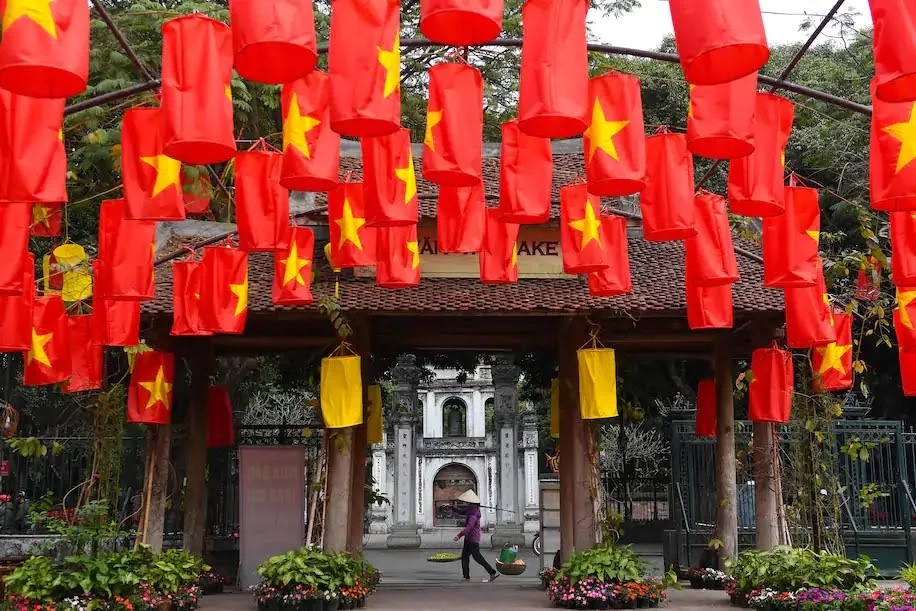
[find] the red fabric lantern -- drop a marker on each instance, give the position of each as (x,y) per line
(718,41)
(293,268)
(48,358)
(14,237)
(223,290)
(710,254)
(615,278)
(708,307)
(553,82)
(149,395)
(86,355)
(220,425)
(186,299)
(894,41)
(352,242)
(197,90)
(667,202)
(707,418)
(809,317)
(525,176)
(274,42)
(790,241)
(832,364)
(868,282)
(615,142)
(16,313)
(582,237)
(152,181)
(461,23)
(389,180)
(454,126)
(499,253)
(196,189)
(755,182)
(461,217)
(364,62)
(771,386)
(311,149)
(904,316)
(126,250)
(33,161)
(903,247)
(908,373)
(398,264)
(117,323)
(262,204)
(45,50)
(47,220)
(720,119)
(891,162)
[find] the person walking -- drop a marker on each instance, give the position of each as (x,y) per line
(471,534)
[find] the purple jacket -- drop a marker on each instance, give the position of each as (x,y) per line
(472,526)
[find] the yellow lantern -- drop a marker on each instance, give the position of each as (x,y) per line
(597,383)
(374,427)
(555,408)
(77,280)
(341,391)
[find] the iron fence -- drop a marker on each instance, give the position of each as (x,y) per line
(637,500)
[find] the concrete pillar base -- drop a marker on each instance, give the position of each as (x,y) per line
(503,535)
(403,538)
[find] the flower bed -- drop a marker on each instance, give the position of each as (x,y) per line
(212,583)
(709,579)
(831,599)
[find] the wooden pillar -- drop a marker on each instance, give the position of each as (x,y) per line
(157,478)
(339,488)
(766,501)
(362,345)
(200,362)
(726,472)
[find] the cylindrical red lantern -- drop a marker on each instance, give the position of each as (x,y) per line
(667,201)
(45,50)
(262,205)
(454,126)
(16,313)
(708,307)
(615,279)
(499,254)
(274,42)
(903,248)
(353,244)
(525,176)
(717,40)
(461,23)
(771,385)
(364,63)
(790,241)
(615,141)
(461,217)
(14,237)
(117,323)
(894,42)
(398,252)
(720,119)
(311,149)
(755,182)
(908,373)
(582,239)
(223,306)
(809,316)
(891,163)
(126,253)
(710,255)
(389,180)
(186,299)
(707,418)
(220,425)
(197,90)
(293,269)
(33,160)
(553,81)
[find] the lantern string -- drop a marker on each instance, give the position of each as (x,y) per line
(593,332)
(344,349)
(662,129)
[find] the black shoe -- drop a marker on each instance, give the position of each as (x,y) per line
(493,577)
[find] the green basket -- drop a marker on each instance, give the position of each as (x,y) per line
(508,554)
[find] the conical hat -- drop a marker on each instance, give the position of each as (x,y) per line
(469,497)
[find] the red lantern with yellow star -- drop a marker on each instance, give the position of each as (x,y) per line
(908,373)
(771,386)
(894,42)
(274,42)
(708,307)
(293,268)
(186,299)
(14,237)
(720,119)
(364,63)
(903,247)
(223,290)
(461,23)
(809,316)
(389,180)
(48,358)
(707,419)
(461,217)
(453,146)
(220,425)
(352,242)
(45,50)
(117,323)
(126,249)
(398,264)
(262,204)
(16,313)
(553,81)
(710,255)
(525,176)
(615,142)
(499,252)
(197,90)
(149,396)
(790,241)
(311,149)
(86,355)
(892,155)
(667,201)
(152,180)
(904,317)
(33,161)
(47,220)
(832,364)
(615,278)
(582,237)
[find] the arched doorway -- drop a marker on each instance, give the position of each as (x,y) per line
(450,482)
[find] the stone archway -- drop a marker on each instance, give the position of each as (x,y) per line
(449,483)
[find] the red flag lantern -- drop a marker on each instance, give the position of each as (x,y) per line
(790,241)
(152,180)
(582,237)
(126,249)
(708,307)
(908,373)
(454,126)
(891,159)
(615,278)
(33,161)
(220,426)
(364,63)
(262,204)
(755,183)
(16,313)
(389,180)
(86,355)
(667,201)
(196,189)
(186,299)
(499,252)
(274,42)
(149,396)
(197,90)
(461,23)
(720,119)
(525,176)
(904,315)
(47,219)
(809,317)
(311,149)
(894,41)
(903,247)
(868,282)
(710,254)
(223,303)
(771,386)
(461,217)
(352,242)
(45,50)
(398,264)
(615,142)
(553,82)
(832,364)
(717,41)
(707,418)
(48,358)
(293,268)
(14,237)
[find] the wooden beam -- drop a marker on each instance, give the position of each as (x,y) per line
(362,346)
(200,362)
(726,476)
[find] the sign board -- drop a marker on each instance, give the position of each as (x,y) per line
(272,505)
(4,468)
(550,520)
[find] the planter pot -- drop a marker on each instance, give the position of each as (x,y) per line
(346,604)
(696,583)
(262,606)
(738,599)
(332,605)
(361,603)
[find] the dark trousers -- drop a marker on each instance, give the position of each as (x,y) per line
(473,549)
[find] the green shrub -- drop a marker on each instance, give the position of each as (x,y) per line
(786,569)
(908,574)
(606,563)
(314,569)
